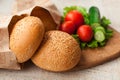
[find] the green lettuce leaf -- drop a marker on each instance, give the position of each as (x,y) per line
(92,44)
(105,22)
(102,43)
(108,34)
(76,37)
(83,45)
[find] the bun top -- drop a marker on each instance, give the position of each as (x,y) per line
(26,37)
(59,51)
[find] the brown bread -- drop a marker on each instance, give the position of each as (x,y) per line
(26,37)
(59,52)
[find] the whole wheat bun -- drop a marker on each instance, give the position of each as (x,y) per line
(26,37)
(58,52)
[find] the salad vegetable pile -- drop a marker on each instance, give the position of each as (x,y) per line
(87,27)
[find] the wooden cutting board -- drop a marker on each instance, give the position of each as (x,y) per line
(97,56)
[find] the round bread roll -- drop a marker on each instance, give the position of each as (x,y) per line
(26,37)
(58,52)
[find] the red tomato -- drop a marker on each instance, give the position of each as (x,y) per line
(75,17)
(68,26)
(85,33)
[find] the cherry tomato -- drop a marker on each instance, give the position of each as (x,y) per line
(75,17)
(68,26)
(85,33)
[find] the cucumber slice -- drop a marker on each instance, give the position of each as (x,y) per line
(94,25)
(100,28)
(99,36)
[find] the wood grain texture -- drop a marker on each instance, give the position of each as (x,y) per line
(93,57)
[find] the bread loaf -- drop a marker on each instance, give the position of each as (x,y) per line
(26,37)
(59,51)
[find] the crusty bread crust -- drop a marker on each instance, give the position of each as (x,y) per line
(26,37)
(59,52)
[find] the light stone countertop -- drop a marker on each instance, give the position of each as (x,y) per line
(107,71)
